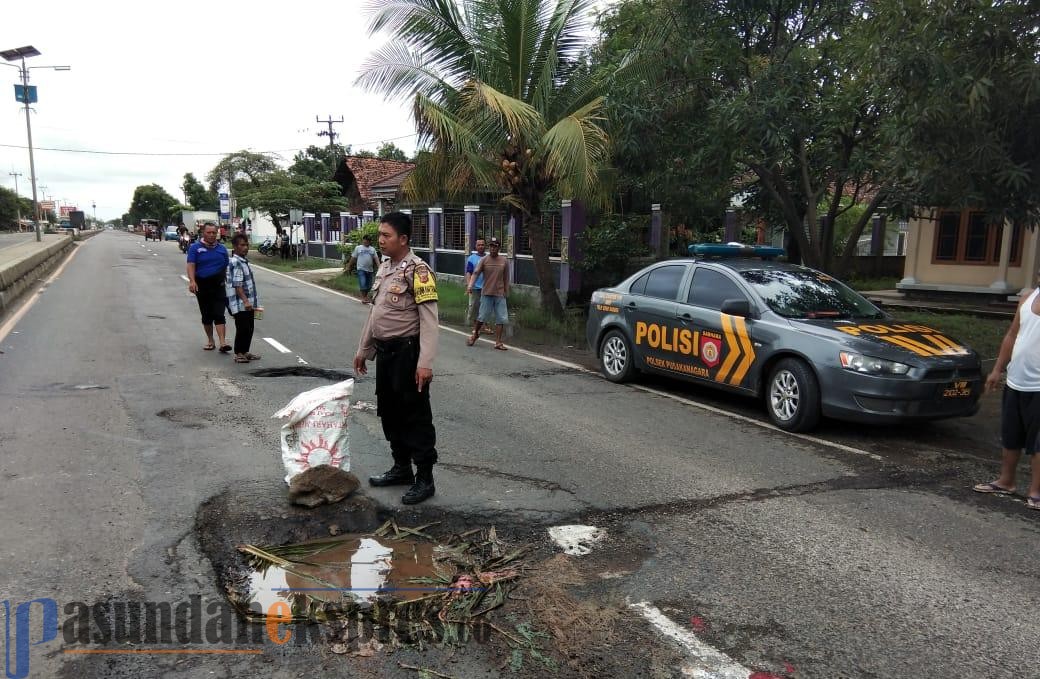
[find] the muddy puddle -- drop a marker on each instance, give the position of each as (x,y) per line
(351,570)
(390,576)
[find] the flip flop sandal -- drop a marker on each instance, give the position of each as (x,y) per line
(992,488)
(471,340)
(501,347)
(209,347)
(226,348)
(1033,502)
(241,359)
(252,357)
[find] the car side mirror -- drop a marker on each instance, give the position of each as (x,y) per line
(736,307)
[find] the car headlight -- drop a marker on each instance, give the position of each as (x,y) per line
(870,365)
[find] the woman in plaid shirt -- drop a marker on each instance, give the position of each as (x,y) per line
(242,299)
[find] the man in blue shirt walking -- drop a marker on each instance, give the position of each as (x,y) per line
(207,266)
(477,285)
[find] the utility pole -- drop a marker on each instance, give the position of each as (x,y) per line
(331,133)
(17,198)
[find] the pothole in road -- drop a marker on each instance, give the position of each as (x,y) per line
(192,419)
(302,371)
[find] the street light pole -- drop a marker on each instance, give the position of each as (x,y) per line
(20,54)
(32,162)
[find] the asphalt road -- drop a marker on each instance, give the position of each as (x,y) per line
(788,555)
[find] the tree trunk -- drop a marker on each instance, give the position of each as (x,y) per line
(532,225)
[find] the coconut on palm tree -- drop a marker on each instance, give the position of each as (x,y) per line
(503,101)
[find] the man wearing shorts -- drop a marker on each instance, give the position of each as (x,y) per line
(207,266)
(476,283)
(1020,411)
(495,269)
(364,258)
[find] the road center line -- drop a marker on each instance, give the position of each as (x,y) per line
(650,390)
(711,663)
(185,278)
(278,345)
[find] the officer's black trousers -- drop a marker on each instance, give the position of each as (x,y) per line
(403,410)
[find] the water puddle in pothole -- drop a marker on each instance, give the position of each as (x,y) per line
(394,575)
(351,570)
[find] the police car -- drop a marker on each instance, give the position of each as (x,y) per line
(733,318)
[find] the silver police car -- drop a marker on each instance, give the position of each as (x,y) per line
(804,342)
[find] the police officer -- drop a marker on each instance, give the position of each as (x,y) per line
(401,333)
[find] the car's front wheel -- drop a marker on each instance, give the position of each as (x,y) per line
(616,358)
(793,396)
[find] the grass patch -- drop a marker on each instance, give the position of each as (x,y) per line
(304,264)
(868,284)
(984,335)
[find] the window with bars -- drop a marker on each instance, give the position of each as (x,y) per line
(454,231)
(492,225)
(420,230)
(968,237)
(552,224)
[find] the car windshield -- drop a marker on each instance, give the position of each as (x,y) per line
(809,294)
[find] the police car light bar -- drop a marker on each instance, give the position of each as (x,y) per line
(734,250)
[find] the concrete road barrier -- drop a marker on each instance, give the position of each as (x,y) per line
(22,265)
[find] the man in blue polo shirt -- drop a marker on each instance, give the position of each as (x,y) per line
(477,285)
(207,266)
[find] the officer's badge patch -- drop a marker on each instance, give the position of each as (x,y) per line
(424,288)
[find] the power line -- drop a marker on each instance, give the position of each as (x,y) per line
(165,154)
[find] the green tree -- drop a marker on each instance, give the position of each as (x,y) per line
(151,201)
(962,82)
(389,151)
(12,205)
(241,170)
(318,162)
(279,191)
(197,195)
(502,101)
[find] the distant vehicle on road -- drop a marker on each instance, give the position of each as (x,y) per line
(801,340)
(170,233)
(151,228)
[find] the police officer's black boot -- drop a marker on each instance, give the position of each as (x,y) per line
(399,475)
(423,488)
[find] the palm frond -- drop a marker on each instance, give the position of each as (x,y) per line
(576,147)
(516,116)
(399,72)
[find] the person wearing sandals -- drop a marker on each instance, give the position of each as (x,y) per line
(207,266)
(242,300)
(1020,408)
(495,270)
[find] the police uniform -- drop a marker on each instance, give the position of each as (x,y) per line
(401,333)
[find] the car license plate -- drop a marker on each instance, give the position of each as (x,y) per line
(959,389)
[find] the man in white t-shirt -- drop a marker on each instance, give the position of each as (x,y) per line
(1020,409)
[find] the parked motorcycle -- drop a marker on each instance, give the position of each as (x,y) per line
(266,248)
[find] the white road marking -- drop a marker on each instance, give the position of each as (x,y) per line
(185,278)
(300,360)
(650,390)
(226,386)
(710,663)
(278,345)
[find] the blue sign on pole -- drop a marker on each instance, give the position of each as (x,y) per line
(225,206)
(20,94)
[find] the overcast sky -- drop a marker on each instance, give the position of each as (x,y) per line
(186,77)
(182,77)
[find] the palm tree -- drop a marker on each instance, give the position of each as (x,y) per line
(504,103)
